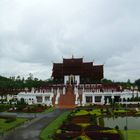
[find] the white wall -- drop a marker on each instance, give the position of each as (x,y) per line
(77,78)
(66,78)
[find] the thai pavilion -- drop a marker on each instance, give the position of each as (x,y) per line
(75,71)
(77,83)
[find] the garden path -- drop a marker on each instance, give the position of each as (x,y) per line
(31,130)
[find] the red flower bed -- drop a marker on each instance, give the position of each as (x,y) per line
(71,127)
(66,136)
(95,128)
(81,119)
(103,136)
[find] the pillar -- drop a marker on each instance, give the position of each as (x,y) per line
(102,100)
(112,97)
(83,99)
(64,91)
(43,99)
(93,99)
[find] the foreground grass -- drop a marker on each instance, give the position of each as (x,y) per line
(52,127)
(132,134)
(8,126)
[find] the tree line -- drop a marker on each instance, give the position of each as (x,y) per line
(19,82)
(126,84)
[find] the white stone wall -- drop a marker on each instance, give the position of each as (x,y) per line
(125,94)
(31,98)
(77,78)
(66,78)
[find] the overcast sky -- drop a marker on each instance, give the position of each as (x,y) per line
(36,33)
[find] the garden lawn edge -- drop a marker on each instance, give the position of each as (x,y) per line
(47,132)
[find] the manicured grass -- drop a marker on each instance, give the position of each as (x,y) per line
(7,126)
(81,112)
(44,112)
(93,112)
(84,138)
(53,126)
(120,111)
(83,124)
(132,134)
(138,113)
(112,131)
(96,111)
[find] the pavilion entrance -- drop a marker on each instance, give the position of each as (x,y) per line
(72,79)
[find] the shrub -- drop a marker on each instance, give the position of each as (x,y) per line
(9,120)
(125,127)
(71,127)
(101,110)
(79,138)
(117,127)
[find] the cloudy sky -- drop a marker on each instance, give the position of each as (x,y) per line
(36,33)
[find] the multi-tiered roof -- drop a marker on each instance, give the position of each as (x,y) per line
(87,71)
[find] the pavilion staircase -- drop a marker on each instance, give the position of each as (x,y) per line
(67,100)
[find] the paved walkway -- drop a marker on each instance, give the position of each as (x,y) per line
(23,115)
(31,130)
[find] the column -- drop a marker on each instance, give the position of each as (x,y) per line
(35,100)
(57,91)
(93,99)
(83,99)
(64,91)
(102,100)
(112,97)
(52,90)
(43,99)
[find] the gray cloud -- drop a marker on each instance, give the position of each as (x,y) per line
(34,33)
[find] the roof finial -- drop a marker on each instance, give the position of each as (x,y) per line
(72,56)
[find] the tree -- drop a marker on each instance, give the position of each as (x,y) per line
(18,78)
(137,82)
(30,77)
(106,81)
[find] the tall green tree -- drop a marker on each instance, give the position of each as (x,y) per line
(137,82)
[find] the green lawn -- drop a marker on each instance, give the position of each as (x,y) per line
(81,112)
(132,134)
(93,112)
(83,124)
(84,138)
(96,111)
(53,126)
(120,111)
(138,113)
(7,126)
(112,131)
